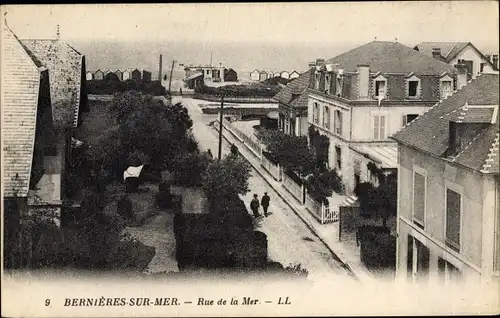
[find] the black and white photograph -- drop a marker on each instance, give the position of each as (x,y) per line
(250,159)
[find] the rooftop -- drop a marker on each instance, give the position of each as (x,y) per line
(65,74)
(430,131)
(21,82)
(390,57)
(294,94)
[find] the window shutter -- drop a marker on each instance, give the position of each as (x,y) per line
(375,127)
(405,120)
(382,127)
(340,123)
(453,219)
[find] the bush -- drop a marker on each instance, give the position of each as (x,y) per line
(323,183)
(247,90)
(124,208)
(188,169)
(137,158)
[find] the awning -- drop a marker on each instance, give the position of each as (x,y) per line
(385,156)
(193,76)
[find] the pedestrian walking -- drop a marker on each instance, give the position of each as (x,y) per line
(254,205)
(265,203)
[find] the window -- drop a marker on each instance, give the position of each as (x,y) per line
(208,72)
(412,88)
(453,208)
(417,260)
(338,156)
(409,118)
(338,122)
(316,80)
(327,84)
(419,197)
(326,117)
(447,272)
(378,127)
(446,89)
(316,113)
(380,88)
(338,86)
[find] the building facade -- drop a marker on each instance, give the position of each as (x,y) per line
(292,101)
(360,98)
(448,189)
(458,53)
(99,75)
(230,75)
(211,74)
(294,74)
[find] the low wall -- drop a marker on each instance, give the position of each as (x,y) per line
(240,100)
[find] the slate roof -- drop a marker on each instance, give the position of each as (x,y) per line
(65,74)
(448,49)
(298,85)
(20,87)
(473,114)
(430,131)
(390,57)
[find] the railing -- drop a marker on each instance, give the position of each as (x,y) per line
(273,169)
(237,99)
(320,211)
(296,190)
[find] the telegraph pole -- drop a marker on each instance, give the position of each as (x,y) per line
(220,126)
(170,81)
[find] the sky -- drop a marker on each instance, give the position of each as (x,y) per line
(287,23)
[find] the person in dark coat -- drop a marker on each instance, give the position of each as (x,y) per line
(265,203)
(254,205)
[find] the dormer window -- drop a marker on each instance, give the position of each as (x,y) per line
(338,84)
(380,86)
(316,80)
(327,84)
(445,87)
(413,87)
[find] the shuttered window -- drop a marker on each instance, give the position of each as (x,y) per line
(379,127)
(453,208)
(419,189)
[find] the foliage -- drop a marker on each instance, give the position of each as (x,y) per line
(234,150)
(243,90)
(381,201)
(323,182)
(320,145)
(124,208)
(188,168)
(273,81)
(230,175)
(297,270)
(291,152)
(137,158)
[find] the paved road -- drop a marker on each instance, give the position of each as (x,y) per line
(290,241)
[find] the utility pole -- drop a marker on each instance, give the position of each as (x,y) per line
(170,80)
(220,126)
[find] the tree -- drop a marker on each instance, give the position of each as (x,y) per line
(230,175)
(320,145)
(188,168)
(323,183)
(379,202)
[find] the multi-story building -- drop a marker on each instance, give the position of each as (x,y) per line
(448,188)
(292,101)
(458,53)
(360,98)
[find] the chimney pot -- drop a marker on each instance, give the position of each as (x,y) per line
(320,62)
(494,61)
(312,64)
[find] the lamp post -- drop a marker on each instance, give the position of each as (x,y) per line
(220,126)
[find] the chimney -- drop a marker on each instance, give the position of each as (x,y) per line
(312,64)
(494,61)
(461,75)
(363,81)
(436,53)
(320,62)
(160,68)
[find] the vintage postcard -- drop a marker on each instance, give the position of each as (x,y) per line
(250,159)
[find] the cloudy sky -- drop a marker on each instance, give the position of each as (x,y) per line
(409,22)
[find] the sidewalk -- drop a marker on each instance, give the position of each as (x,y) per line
(347,252)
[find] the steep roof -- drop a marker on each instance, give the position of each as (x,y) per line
(65,75)
(448,49)
(430,131)
(20,87)
(390,57)
(297,86)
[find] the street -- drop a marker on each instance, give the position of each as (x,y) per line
(290,241)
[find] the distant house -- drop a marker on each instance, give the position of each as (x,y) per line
(111,76)
(211,74)
(292,101)
(230,75)
(255,75)
(126,74)
(285,75)
(262,76)
(277,74)
(136,74)
(294,74)
(194,80)
(448,189)
(119,74)
(89,76)
(99,75)
(146,76)
(458,53)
